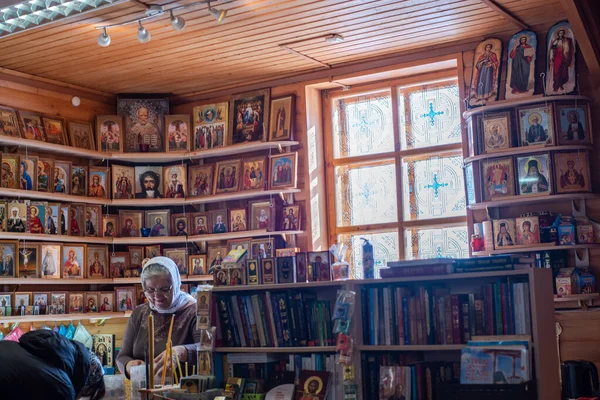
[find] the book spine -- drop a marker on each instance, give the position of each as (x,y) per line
(466,329)
(518,308)
(435,322)
(267,306)
(527,308)
(441,331)
(329,322)
(319,314)
(299,303)
(448,320)
(498,310)
(366,323)
(489,311)
(456,331)
(310,318)
(244,321)
(264,320)
(372,319)
(405,320)
(238,320)
(400,315)
(391,322)
(285,320)
(387,335)
(472,314)
(420,308)
(236,334)
(277,319)
(294,320)
(225,320)
(252,318)
(257,317)
(429,317)
(415,271)
(511,313)
(504,302)
(479,317)
(483,268)
(412,319)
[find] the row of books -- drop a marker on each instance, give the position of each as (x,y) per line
(445,266)
(426,315)
(275,319)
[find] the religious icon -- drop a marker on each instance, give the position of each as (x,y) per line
(73,260)
(534,174)
(107,300)
(65,219)
(18,217)
(180,258)
(33,128)
(528,230)
(109,133)
(211,126)
(97,262)
(262,248)
(110,225)
(561,74)
(201,180)
(312,386)
(130,223)
(29,260)
(125,298)
(286,269)
(122,182)
(520,79)
(301,264)
(239,244)
(3,215)
(45,168)
(498,178)
(486,72)
(9,122)
(93,214)
(197,265)
(255,173)
(76,305)
(268,271)
(282,118)
(136,256)
(153,251)
(79,176)
(215,257)
(9,260)
(572,172)
(227,177)
(77,219)
(148,182)
(320,265)
(22,300)
(55,131)
(237,220)
(27,173)
(174,178)
(10,179)
(505,233)
(119,265)
(573,123)
(536,125)
(40,302)
(58,303)
(50,261)
(91,302)
(249,113)
(496,131)
(37,217)
(81,135)
(262,215)
(144,124)
(218,221)
(98,183)
(103,347)
(53,218)
(179,224)
(283,171)
(158,222)
(62,177)
(178,133)
(290,218)
(200,223)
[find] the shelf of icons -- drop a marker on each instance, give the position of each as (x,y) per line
(533,248)
(92,317)
(515,151)
(513,201)
(502,104)
(91,281)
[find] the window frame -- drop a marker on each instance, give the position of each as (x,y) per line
(392,86)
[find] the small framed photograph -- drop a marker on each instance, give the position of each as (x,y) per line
(125,298)
(81,135)
(282,118)
(237,220)
(200,223)
(197,264)
(179,224)
(262,215)
(572,172)
(291,217)
(91,300)
(22,300)
(93,215)
(227,176)
(239,244)
(10,171)
(201,180)
(58,303)
(262,248)
(77,220)
(180,258)
(45,170)
(119,264)
(255,173)
(498,178)
(534,175)
(28,173)
(301,263)
(504,232)
(109,133)
(158,222)
(148,182)
(130,223)
(215,257)
(50,261)
(76,303)
(253,271)
(528,230)
(33,128)
(99,186)
(73,260)
(65,219)
(53,218)
(283,170)
(286,269)
(153,251)
(110,225)
(41,301)
(107,301)
(319,263)
(55,131)
(122,182)
(9,122)
(29,260)
(174,179)
(573,122)
(62,177)
(37,216)
(97,261)
(249,113)
(267,271)
(496,131)
(18,217)
(218,221)
(178,132)
(536,124)
(136,256)
(79,176)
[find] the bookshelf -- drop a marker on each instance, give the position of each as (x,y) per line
(533,248)
(275,350)
(86,281)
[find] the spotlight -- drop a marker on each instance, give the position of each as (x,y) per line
(103,39)
(218,14)
(178,23)
(143,34)
(335,38)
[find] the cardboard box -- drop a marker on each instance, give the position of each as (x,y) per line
(565,282)
(585,282)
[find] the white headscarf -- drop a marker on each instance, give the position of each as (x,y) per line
(180,299)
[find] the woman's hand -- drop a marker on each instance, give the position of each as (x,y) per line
(130,364)
(159,361)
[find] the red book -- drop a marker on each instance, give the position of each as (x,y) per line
(412,319)
(456,331)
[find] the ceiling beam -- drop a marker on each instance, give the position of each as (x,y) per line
(504,13)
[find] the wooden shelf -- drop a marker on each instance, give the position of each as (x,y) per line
(576,297)
(64,317)
(513,201)
(239,235)
(58,197)
(40,281)
(148,202)
(62,151)
(247,194)
(278,286)
(36,237)
(515,151)
(533,248)
(150,240)
(132,281)
(429,347)
(287,350)
(462,276)
(499,105)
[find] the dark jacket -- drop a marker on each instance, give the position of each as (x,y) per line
(43,365)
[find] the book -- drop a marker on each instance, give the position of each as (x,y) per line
(395,383)
(501,364)
(235,255)
(103,345)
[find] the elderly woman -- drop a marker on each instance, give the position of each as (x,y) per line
(161,283)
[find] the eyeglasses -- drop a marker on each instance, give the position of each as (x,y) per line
(162,290)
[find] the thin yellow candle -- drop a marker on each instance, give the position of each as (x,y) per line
(193,370)
(178,364)
(151,351)
(186,369)
(168,355)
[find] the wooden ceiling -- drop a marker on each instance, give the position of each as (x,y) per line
(244,49)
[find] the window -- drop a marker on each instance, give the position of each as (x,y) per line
(395,171)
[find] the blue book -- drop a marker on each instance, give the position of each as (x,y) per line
(277,319)
(248,328)
(372,318)
(413,383)
(476,366)
(406,321)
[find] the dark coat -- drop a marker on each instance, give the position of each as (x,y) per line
(42,365)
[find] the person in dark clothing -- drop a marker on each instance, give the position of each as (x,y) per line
(45,365)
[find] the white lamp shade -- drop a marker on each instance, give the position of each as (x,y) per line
(143,35)
(103,39)
(218,14)
(178,23)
